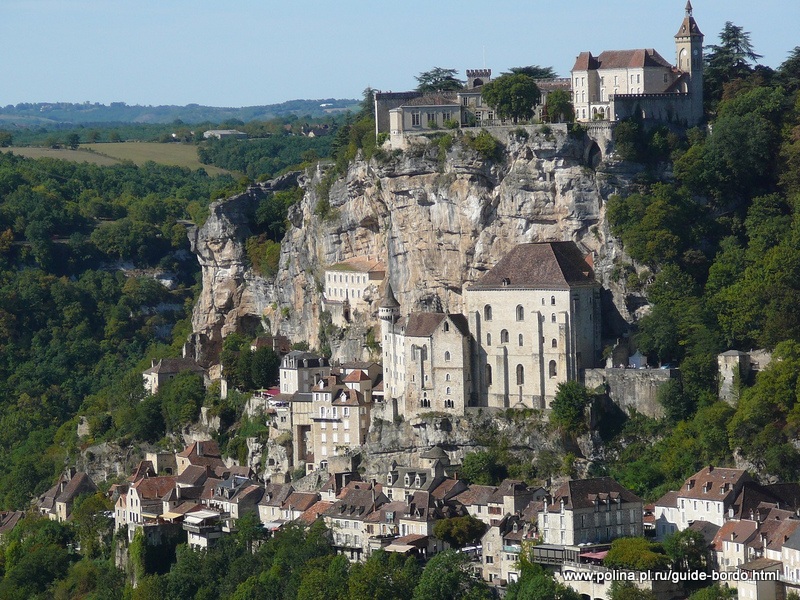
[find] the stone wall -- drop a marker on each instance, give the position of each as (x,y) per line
(632,388)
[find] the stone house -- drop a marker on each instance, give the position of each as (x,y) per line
(166,369)
(426,359)
(708,495)
(590,511)
(204,454)
(475,500)
(535,323)
(57,502)
(618,84)
(269,507)
(351,286)
(347,518)
(502,545)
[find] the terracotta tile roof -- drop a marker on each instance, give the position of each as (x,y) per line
(249,494)
(143,469)
(356,376)
(193,475)
(433,100)
(80,483)
(153,488)
(314,512)
(508,487)
(583,493)
(476,495)
(734,531)
(547,265)
(713,483)
(585,62)
(423,324)
(301,501)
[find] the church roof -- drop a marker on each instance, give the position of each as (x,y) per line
(689,26)
(547,265)
(388,300)
(423,324)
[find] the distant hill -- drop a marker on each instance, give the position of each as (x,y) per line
(52,113)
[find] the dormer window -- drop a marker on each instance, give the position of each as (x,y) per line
(506,282)
(407,481)
(389,479)
(417,481)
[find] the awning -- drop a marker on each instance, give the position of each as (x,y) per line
(401,548)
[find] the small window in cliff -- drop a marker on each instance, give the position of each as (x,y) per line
(487,313)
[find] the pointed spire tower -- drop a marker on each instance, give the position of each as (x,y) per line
(389,308)
(689,54)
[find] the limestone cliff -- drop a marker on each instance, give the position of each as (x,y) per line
(439,217)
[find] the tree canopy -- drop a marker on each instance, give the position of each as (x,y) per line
(438,79)
(513,96)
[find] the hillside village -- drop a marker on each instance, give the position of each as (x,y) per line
(532,321)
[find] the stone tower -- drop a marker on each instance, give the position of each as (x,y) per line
(689,60)
(389,313)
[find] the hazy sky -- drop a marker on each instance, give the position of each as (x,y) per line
(252,52)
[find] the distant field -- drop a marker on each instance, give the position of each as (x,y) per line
(181,155)
(63,154)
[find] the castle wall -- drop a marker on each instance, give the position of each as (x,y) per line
(632,388)
(681,109)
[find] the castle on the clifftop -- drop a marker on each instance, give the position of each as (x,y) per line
(613,86)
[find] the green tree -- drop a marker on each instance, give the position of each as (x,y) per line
(438,79)
(73,140)
(687,550)
(534,71)
(447,577)
(625,590)
(568,409)
(636,553)
(558,107)
(513,96)
(483,468)
(385,575)
(717,592)
(731,59)
(459,531)
(264,367)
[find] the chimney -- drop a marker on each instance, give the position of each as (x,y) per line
(710,468)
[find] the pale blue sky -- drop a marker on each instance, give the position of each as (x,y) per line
(252,52)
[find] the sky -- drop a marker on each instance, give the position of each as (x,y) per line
(255,52)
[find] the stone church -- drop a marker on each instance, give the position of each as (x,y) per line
(533,321)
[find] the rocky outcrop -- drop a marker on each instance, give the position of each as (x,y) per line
(438,217)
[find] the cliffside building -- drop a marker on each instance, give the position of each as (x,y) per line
(535,321)
(350,286)
(619,84)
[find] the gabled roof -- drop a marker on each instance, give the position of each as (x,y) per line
(620,59)
(508,487)
(668,500)
(584,493)
(734,531)
(713,483)
(170,366)
(433,100)
(356,376)
(143,469)
(80,483)
(544,265)
(314,512)
(423,324)
(193,475)
(275,494)
(301,501)
(476,495)
(153,488)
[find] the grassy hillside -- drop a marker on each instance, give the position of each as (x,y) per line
(176,155)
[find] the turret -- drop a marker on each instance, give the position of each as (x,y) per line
(389,308)
(689,60)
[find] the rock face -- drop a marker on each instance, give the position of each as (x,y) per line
(438,217)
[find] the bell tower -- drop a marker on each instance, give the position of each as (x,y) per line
(689,59)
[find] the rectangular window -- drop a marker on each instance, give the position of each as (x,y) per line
(415,120)
(447,115)
(431,118)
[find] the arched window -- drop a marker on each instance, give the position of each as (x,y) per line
(488,339)
(553,300)
(553,317)
(520,339)
(449,403)
(447,356)
(487,313)
(504,336)
(554,343)
(447,390)
(552,368)
(520,375)
(488,374)
(520,313)
(447,377)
